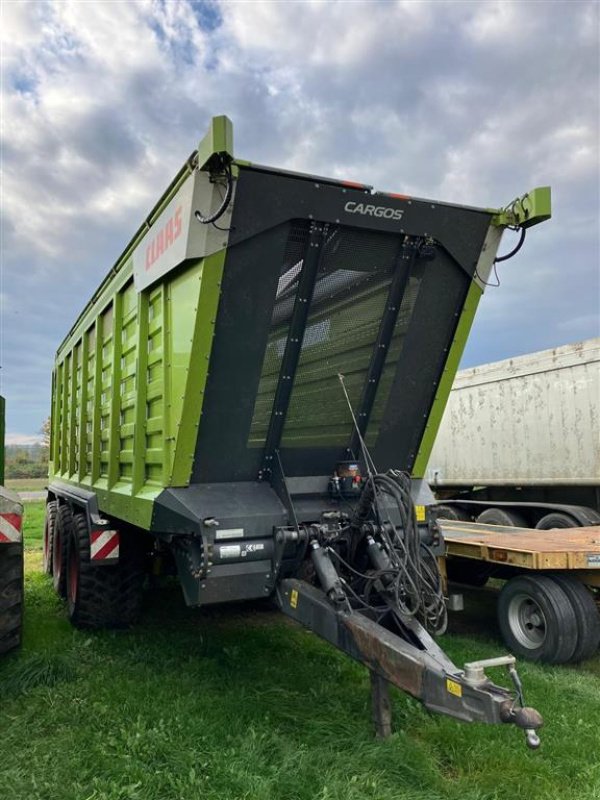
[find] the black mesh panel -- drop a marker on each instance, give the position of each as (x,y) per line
(348,303)
(280,321)
(387,376)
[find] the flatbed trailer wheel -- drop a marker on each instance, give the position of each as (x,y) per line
(586,613)
(102,596)
(556,519)
(11,596)
(500,516)
(49,526)
(537,619)
(60,540)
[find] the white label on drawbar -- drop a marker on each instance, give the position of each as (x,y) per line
(229,533)
(230,551)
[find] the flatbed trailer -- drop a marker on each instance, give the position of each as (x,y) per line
(535,620)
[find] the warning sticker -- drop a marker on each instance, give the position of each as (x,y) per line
(294,598)
(453,687)
(420,512)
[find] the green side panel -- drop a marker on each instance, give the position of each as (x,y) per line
(128,390)
(441,398)
(2,424)
(196,302)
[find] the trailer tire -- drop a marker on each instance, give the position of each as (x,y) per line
(537,620)
(49,526)
(586,613)
(102,596)
(11,596)
(499,516)
(60,543)
(556,520)
(448,512)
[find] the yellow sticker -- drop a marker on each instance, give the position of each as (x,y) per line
(453,687)
(420,512)
(294,598)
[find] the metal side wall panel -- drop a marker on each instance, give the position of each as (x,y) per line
(534,419)
(128,390)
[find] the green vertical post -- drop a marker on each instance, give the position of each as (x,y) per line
(114,433)
(96,433)
(195,383)
(2,428)
(55,434)
(141,396)
(445,385)
(83,401)
(168,432)
(64,463)
(76,355)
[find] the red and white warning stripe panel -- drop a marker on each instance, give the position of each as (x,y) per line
(104,546)
(10,527)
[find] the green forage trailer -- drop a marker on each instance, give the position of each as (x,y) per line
(250,398)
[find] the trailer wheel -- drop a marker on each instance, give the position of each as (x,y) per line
(537,619)
(556,520)
(49,526)
(11,596)
(498,516)
(60,541)
(448,512)
(586,613)
(102,596)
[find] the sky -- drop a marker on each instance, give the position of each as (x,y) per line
(468,102)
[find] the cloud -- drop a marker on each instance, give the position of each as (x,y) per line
(467,102)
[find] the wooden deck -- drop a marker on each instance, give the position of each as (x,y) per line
(560,549)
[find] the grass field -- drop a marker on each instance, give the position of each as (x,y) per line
(239,703)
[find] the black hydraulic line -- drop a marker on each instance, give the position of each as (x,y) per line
(293,345)
(402,268)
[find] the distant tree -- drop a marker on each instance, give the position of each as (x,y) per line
(45,431)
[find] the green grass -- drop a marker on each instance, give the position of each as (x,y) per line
(33,525)
(225,704)
(26,484)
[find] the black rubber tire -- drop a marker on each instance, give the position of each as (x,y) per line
(49,527)
(60,542)
(520,603)
(461,570)
(103,596)
(11,596)
(447,512)
(556,520)
(500,516)
(587,615)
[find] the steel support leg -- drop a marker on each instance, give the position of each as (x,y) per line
(381,706)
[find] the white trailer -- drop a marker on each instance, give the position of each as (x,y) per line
(520,439)
(519,449)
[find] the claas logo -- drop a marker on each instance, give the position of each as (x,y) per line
(165,237)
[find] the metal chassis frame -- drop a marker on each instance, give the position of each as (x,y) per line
(392,658)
